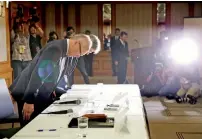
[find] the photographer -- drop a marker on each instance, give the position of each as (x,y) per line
(155,81)
(21,55)
(35,36)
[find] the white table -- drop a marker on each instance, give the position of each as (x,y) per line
(101,95)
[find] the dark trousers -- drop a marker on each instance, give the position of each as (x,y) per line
(114,67)
(122,71)
(18,66)
(81,67)
(89,64)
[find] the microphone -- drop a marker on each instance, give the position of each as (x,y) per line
(60,112)
(70,102)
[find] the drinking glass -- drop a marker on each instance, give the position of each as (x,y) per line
(82,125)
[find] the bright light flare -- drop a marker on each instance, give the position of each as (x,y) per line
(184,51)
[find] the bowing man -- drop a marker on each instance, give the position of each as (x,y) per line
(66,83)
(34,88)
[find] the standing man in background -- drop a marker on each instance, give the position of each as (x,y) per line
(80,65)
(89,59)
(122,56)
(35,39)
(113,46)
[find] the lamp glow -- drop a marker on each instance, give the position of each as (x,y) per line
(184,51)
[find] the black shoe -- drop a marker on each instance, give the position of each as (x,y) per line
(192,99)
(179,99)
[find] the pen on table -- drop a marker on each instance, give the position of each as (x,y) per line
(41,130)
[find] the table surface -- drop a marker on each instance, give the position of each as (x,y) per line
(93,97)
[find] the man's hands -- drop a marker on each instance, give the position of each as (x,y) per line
(28,109)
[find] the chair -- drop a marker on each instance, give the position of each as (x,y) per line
(11,119)
(7,108)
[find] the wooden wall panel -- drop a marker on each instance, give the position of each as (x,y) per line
(131,18)
(191,9)
(50,18)
(5,66)
(197,9)
(71,16)
(58,23)
(61,21)
(89,18)
(178,12)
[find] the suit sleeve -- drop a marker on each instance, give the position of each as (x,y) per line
(35,81)
(19,85)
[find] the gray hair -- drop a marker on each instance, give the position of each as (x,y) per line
(96,43)
(83,36)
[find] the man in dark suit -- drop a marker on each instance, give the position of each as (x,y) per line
(34,88)
(89,58)
(122,56)
(113,46)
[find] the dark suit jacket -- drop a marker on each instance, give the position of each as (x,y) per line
(121,51)
(25,85)
(113,44)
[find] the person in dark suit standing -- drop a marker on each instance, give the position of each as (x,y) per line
(89,59)
(113,46)
(122,56)
(80,64)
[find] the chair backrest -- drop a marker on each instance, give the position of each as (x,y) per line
(6,105)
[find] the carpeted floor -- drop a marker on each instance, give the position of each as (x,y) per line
(169,120)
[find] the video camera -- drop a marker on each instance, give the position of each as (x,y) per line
(19,15)
(34,18)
